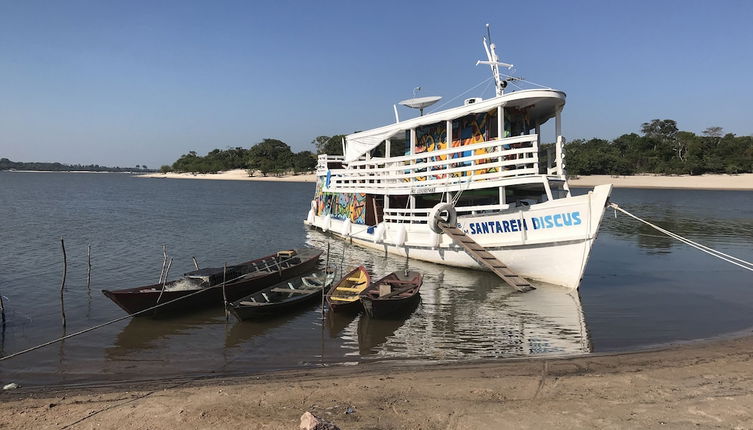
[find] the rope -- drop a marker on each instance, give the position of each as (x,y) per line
(60,339)
(434,109)
(747,265)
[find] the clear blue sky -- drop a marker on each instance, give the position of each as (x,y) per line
(142,82)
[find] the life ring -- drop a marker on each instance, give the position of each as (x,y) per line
(435,216)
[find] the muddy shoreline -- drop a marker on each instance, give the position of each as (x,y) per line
(700,383)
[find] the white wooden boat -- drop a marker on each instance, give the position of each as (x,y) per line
(388,189)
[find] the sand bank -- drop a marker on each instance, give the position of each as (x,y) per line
(233,175)
(700,385)
(701,182)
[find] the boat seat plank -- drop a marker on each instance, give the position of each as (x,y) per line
(344,299)
(350,290)
(292,291)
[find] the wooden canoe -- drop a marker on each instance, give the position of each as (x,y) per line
(283,297)
(392,296)
(344,297)
(203,288)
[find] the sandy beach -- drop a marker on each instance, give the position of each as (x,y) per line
(232,175)
(702,182)
(704,384)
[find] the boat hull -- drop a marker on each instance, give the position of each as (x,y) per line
(278,309)
(278,303)
(135,300)
(549,242)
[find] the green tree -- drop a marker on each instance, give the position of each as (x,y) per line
(270,156)
(304,161)
(331,145)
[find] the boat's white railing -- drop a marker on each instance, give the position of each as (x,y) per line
(426,172)
(421,216)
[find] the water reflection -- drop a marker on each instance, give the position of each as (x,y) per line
(462,314)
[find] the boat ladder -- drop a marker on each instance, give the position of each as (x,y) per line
(485,258)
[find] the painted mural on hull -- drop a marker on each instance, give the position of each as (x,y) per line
(340,206)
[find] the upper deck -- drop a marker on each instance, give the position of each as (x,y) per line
(490,141)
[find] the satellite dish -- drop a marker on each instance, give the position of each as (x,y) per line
(421,102)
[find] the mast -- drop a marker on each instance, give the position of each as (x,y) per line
(493,62)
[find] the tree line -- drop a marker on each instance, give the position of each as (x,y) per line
(268,157)
(6,164)
(661,148)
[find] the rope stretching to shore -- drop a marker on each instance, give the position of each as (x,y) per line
(747,265)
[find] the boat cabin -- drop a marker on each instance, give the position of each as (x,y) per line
(486,154)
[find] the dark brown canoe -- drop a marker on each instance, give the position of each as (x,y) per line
(283,297)
(203,288)
(343,297)
(392,296)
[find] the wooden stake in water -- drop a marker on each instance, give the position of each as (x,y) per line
(162,291)
(164,262)
(324,281)
(195,263)
(89,270)
(224,295)
(62,285)
(2,310)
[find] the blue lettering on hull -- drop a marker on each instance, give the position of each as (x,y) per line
(561,220)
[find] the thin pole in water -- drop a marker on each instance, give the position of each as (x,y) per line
(2,311)
(89,270)
(224,294)
(195,263)
(324,281)
(162,290)
(62,285)
(342,262)
(164,262)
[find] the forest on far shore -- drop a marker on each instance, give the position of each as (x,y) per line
(661,148)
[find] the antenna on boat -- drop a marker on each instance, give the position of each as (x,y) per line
(493,62)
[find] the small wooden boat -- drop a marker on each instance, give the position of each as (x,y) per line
(394,295)
(344,297)
(204,288)
(283,297)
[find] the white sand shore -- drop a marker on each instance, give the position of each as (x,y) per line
(232,175)
(703,182)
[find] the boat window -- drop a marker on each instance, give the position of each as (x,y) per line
(527,194)
(425,201)
(484,197)
(558,190)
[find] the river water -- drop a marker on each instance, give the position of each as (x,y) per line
(640,288)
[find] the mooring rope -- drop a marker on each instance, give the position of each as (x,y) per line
(747,265)
(80,332)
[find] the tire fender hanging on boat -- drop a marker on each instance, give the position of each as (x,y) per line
(435,216)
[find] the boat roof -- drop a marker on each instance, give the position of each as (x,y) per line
(542,104)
